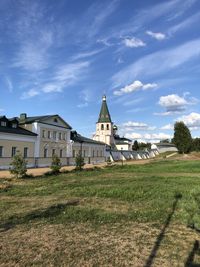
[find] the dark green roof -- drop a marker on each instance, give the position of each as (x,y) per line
(76,137)
(104,115)
(27,120)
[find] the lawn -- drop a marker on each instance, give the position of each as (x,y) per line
(131,215)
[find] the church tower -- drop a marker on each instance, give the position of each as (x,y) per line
(104,126)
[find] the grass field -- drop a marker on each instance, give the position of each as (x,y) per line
(131,215)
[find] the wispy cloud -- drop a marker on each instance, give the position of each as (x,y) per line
(9,84)
(156,35)
(87,54)
(64,76)
(165,59)
(184,24)
(29,94)
(135,86)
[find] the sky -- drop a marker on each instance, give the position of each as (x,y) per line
(61,57)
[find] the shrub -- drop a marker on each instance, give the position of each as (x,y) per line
(79,162)
(55,164)
(18,166)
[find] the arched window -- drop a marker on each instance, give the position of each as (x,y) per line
(107,126)
(102,127)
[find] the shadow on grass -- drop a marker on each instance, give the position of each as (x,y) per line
(160,237)
(50,212)
(190,260)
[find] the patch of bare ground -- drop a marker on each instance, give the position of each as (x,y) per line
(83,245)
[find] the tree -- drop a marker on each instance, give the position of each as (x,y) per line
(135,145)
(55,164)
(182,137)
(79,162)
(18,166)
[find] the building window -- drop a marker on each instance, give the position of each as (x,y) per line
(60,136)
(26,152)
(1,151)
(55,120)
(49,134)
(3,123)
(14,125)
(45,153)
(107,126)
(102,127)
(97,153)
(54,135)
(74,153)
(93,153)
(64,136)
(53,152)
(43,134)
(13,153)
(100,153)
(61,153)
(84,153)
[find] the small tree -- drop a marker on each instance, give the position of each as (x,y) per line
(55,164)
(182,137)
(79,162)
(18,166)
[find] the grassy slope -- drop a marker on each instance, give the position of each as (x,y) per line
(128,206)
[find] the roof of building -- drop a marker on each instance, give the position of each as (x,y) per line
(121,140)
(27,120)
(104,115)
(76,137)
(12,127)
(164,144)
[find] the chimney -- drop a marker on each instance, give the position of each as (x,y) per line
(23,116)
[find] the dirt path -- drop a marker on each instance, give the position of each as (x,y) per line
(41,171)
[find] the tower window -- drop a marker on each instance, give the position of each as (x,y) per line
(107,126)
(102,127)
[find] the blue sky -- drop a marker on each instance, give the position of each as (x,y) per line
(60,57)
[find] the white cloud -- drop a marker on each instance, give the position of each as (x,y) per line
(166,60)
(192,120)
(135,86)
(175,104)
(154,137)
(167,127)
(133,42)
(130,125)
(156,35)
(172,102)
(29,94)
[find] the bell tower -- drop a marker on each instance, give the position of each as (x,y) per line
(104,126)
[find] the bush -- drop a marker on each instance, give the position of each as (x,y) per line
(55,164)
(79,162)
(18,166)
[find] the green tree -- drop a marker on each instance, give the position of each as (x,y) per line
(55,164)
(182,137)
(135,145)
(79,162)
(18,166)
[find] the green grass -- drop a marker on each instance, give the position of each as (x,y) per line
(114,196)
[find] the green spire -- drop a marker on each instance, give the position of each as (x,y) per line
(104,115)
